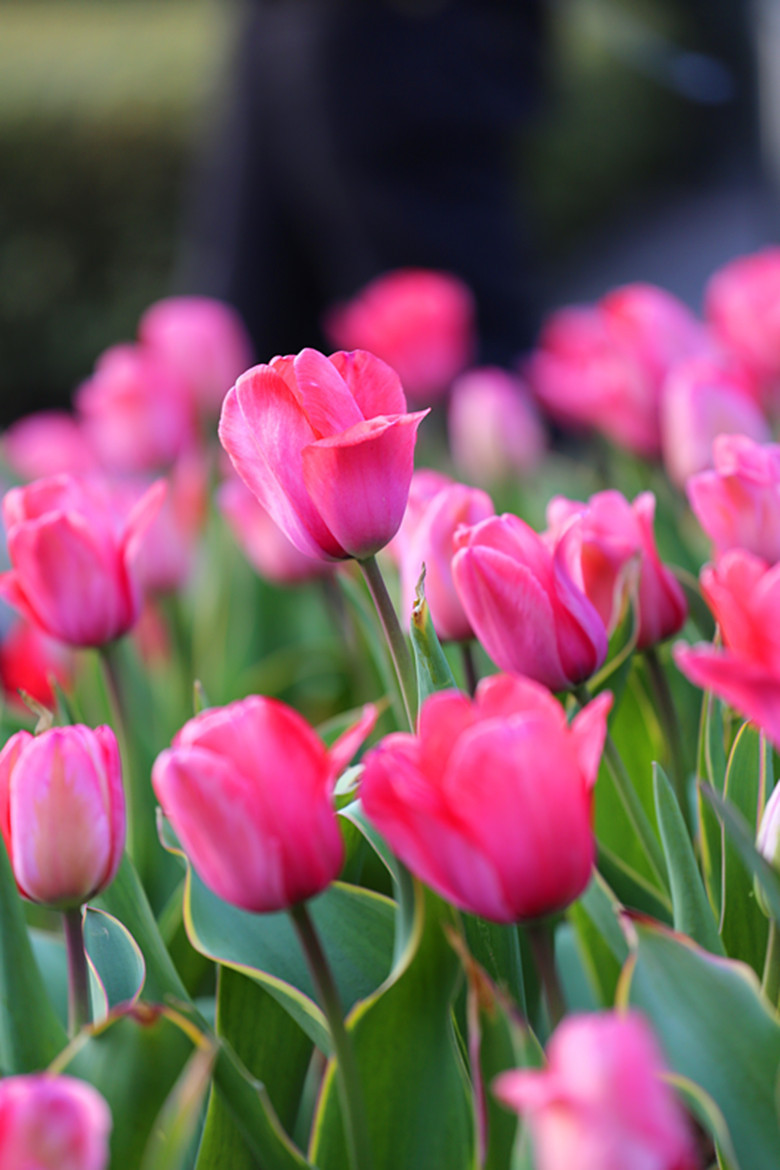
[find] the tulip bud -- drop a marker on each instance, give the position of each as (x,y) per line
(62,812)
(494,426)
(52,1123)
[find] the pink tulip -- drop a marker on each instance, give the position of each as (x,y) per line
(743,304)
(420,322)
(248,789)
(526,602)
(616,553)
(601,1103)
(52,1123)
(703,398)
(327,447)
(73,549)
(135,411)
(490,803)
(743,593)
(428,538)
(51,442)
(494,426)
(166,557)
(204,340)
(62,812)
(603,367)
(738,504)
(265,545)
(29,661)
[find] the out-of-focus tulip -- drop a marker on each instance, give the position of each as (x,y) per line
(428,536)
(30,660)
(495,430)
(524,603)
(420,322)
(166,556)
(204,340)
(704,398)
(73,552)
(51,442)
(743,593)
(135,411)
(616,549)
(601,1103)
(266,547)
(490,803)
(603,367)
(738,503)
(742,302)
(52,1123)
(327,447)
(248,789)
(62,812)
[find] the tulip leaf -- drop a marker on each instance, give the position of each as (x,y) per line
(631,888)
(742,839)
(356,927)
(433,669)
(31,1035)
(117,969)
(170,1143)
(414,1085)
(692,911)
(744,926)
(601,944)
(496,948)
(274,1050)
(716,1030)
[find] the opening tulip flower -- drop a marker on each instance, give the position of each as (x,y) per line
(490,803)
(52,1123)
(738,503)
(62,812)
(73,544)
(327,447)
(248,789)
(601,1102)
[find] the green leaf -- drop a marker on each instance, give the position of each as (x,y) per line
(712,764)
(601,944)
(692,912)
(116,965)
(716,1030)
(356,926)
(414,1084)
(497,949)
(744,928)
(631,888)
(741,837)
(31,1035)
(433,669)
(170,1144)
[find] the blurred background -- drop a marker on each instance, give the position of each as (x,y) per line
(648,149)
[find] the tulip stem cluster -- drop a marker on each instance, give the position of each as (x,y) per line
(350,1092)
(399,649)
(79,1012)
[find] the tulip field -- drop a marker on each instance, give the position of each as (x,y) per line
(389,743)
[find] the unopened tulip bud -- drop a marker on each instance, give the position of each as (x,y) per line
(52,1123)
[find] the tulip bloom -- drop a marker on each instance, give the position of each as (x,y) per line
(49,442)
(420,322)
(62,812)
(30,660)
(742,302)
(248,789)
(428,536)
(526,602)
(738,503)
(601,1103)
(494,426)
(743,593)
(52,1123)
(203,340)
(264,544)
(616,550)
(73,548)
(490,803)
(327,447)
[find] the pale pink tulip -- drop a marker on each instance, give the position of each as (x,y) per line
(601,1103)
(418,321)
(51,442)
(738,503)
(327,447)
(62,812)
(265,545)
(490,803)
(248,789)
(52,1123)
(742,302)
(495,430)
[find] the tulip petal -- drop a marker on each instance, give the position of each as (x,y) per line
(343,749)
(326,399)
(359,481)
(748,687)
(589,730)
(263,429)
(374,384)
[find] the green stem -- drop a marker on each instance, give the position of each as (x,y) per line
(633,806)
(350,1092)
(79,1012)
(110,671)
(541,936)
(770,983)
(671,724)
(470,673)
(399,649)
